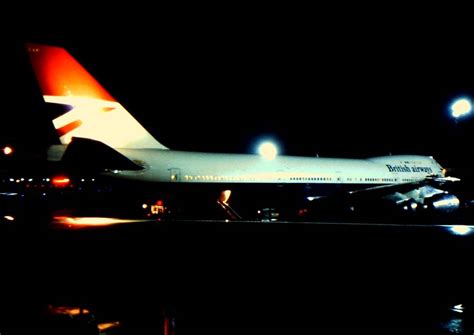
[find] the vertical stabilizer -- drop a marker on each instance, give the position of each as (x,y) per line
(88,110)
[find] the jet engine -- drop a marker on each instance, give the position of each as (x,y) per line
(444,202)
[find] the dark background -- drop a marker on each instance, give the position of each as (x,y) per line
(335,82)
(350,86)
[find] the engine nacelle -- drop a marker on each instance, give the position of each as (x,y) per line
(443,202)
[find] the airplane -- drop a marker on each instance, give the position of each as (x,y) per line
(95,130)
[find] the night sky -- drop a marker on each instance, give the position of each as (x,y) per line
(219,86)
(335,83)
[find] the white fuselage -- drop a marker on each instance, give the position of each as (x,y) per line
(196,167)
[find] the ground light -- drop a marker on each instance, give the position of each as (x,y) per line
(461,107)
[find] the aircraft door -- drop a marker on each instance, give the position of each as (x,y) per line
(175,174)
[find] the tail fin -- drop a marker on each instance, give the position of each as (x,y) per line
(89,111)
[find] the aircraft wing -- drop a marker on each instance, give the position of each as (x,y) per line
(382,190)
(411,196)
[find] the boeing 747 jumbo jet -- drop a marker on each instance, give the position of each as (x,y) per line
(96,130)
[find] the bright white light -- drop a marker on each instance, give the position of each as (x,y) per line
(461,230)
(268,150)
(7,150)
(461,107)
(458,308)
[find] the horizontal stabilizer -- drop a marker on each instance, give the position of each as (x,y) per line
(84,153)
